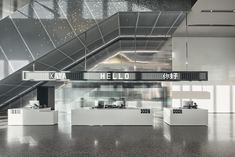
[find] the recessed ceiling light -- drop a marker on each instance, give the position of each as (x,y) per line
(218,11)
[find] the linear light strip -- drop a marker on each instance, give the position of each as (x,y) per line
(211,25)
(136,25)
(119,25)
(218,11)
(7,59)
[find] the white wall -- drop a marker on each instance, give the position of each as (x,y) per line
(215,55)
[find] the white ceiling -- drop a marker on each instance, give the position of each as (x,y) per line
(196,17)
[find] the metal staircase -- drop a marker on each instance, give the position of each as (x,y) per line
(61,43)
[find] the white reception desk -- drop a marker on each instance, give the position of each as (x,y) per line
(173,116)
(32,117)
(111,117)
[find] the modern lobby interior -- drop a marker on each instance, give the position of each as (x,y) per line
(141,38)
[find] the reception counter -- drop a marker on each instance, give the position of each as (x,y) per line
(32,117)
(111,117)
(173,116)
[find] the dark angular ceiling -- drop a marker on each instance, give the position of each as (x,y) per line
(97,44)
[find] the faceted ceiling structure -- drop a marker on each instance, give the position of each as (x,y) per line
(78,38)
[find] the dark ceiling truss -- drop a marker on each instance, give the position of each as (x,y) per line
(86,46)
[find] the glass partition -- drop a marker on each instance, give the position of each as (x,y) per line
(110,95)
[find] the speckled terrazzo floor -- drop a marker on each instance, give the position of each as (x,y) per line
(216,140)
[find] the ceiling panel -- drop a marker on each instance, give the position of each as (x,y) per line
(167,19)
(127,20)
(147,19)
(72,46)
(52,58)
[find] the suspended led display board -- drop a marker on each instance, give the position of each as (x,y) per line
(115,76)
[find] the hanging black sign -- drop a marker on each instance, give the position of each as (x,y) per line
(139,76)
(116,76)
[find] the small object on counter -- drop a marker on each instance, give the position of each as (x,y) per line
(122,106)
(190,105)
(194,105)
(100,104)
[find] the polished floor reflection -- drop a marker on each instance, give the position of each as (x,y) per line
(216,140)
